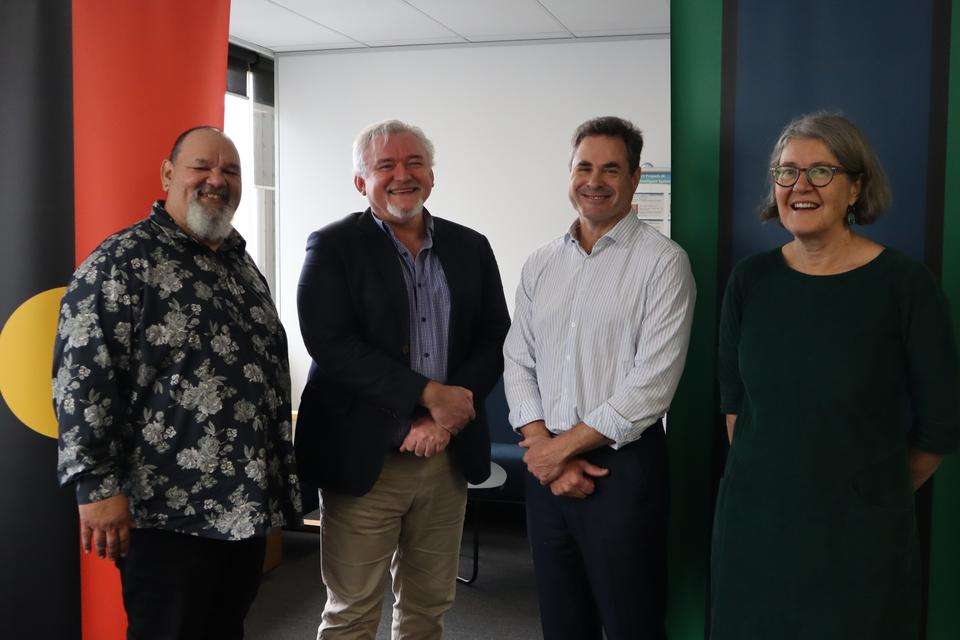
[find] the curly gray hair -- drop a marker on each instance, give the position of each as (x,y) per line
(385,128)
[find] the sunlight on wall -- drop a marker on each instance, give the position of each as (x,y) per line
(238,124)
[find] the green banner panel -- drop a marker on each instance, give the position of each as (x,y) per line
(696,38)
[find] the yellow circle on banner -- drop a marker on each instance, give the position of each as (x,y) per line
(26,356)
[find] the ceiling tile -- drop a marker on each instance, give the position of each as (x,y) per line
(268,25)
(611,17)
(494,19)
(308,46)
(374,22)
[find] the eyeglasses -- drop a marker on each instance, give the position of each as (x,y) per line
(819,175)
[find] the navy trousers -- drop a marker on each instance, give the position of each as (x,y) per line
(181,587)
(600,562)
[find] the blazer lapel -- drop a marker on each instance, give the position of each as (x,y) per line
(384,257)
(454,270)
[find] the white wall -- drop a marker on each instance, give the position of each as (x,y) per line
(500,117)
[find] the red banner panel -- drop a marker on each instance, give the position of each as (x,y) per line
(142,72)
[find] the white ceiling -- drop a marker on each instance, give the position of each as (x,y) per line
(313,25)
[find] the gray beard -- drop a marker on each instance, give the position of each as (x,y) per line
(400,214)
(208,225)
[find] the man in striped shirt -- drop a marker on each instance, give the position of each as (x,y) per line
(599,336)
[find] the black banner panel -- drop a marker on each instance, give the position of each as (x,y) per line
(39,547)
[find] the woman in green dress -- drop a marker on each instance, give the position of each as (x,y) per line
(839,381)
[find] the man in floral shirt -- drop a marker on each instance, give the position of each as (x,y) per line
(172,391)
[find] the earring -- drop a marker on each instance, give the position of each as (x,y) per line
(851,216)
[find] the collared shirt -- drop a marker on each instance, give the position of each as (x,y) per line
(428,301)
(600,337)
(172,385)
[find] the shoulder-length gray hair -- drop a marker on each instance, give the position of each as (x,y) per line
(385,128)
(852,151)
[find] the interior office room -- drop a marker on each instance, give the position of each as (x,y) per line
(95,91)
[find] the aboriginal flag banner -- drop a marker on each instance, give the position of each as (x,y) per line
(94,93)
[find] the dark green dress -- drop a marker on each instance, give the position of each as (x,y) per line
(832,379)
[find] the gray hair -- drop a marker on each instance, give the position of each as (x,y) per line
(386,128)
(853,152)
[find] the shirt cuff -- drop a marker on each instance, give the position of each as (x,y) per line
(97,488)
(606,421)
(730,403)
(936,437)
(525,413)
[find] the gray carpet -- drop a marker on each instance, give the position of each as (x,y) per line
(500,605)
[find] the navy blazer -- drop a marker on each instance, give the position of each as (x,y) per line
(354,319)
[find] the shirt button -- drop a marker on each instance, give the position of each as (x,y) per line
(573,324)
(426,355)
(423,319)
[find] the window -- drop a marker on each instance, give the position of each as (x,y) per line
(249,121)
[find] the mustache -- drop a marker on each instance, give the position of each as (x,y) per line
(207,190)
(405,185)
(596,192)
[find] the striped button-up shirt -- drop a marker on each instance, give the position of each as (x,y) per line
(600,337)
(428,301)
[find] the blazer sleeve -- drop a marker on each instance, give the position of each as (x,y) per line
(329,323)
(483,365)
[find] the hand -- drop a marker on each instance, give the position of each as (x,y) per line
(576,480)
(105,526)
(922,465)
(731,420)
(545,458)
(426,438)
(450,407)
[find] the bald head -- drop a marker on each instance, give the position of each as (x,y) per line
(178,143)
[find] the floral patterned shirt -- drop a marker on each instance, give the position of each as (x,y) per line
(172,385)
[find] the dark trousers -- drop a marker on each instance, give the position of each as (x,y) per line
(600,562)
(181,587)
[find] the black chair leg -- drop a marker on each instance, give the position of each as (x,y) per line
(475,516)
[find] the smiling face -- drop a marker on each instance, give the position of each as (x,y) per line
(808,211)
(203,185)
(397,177)
(601,185)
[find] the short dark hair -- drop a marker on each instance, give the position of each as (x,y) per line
(613,127)
(175,151)
(848,144)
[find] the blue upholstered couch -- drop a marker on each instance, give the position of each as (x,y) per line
(503,445)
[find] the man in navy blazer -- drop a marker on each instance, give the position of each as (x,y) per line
(404,317)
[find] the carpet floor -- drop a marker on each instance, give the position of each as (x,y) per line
(500,605)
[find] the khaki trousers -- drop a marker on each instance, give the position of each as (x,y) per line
(410,523)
